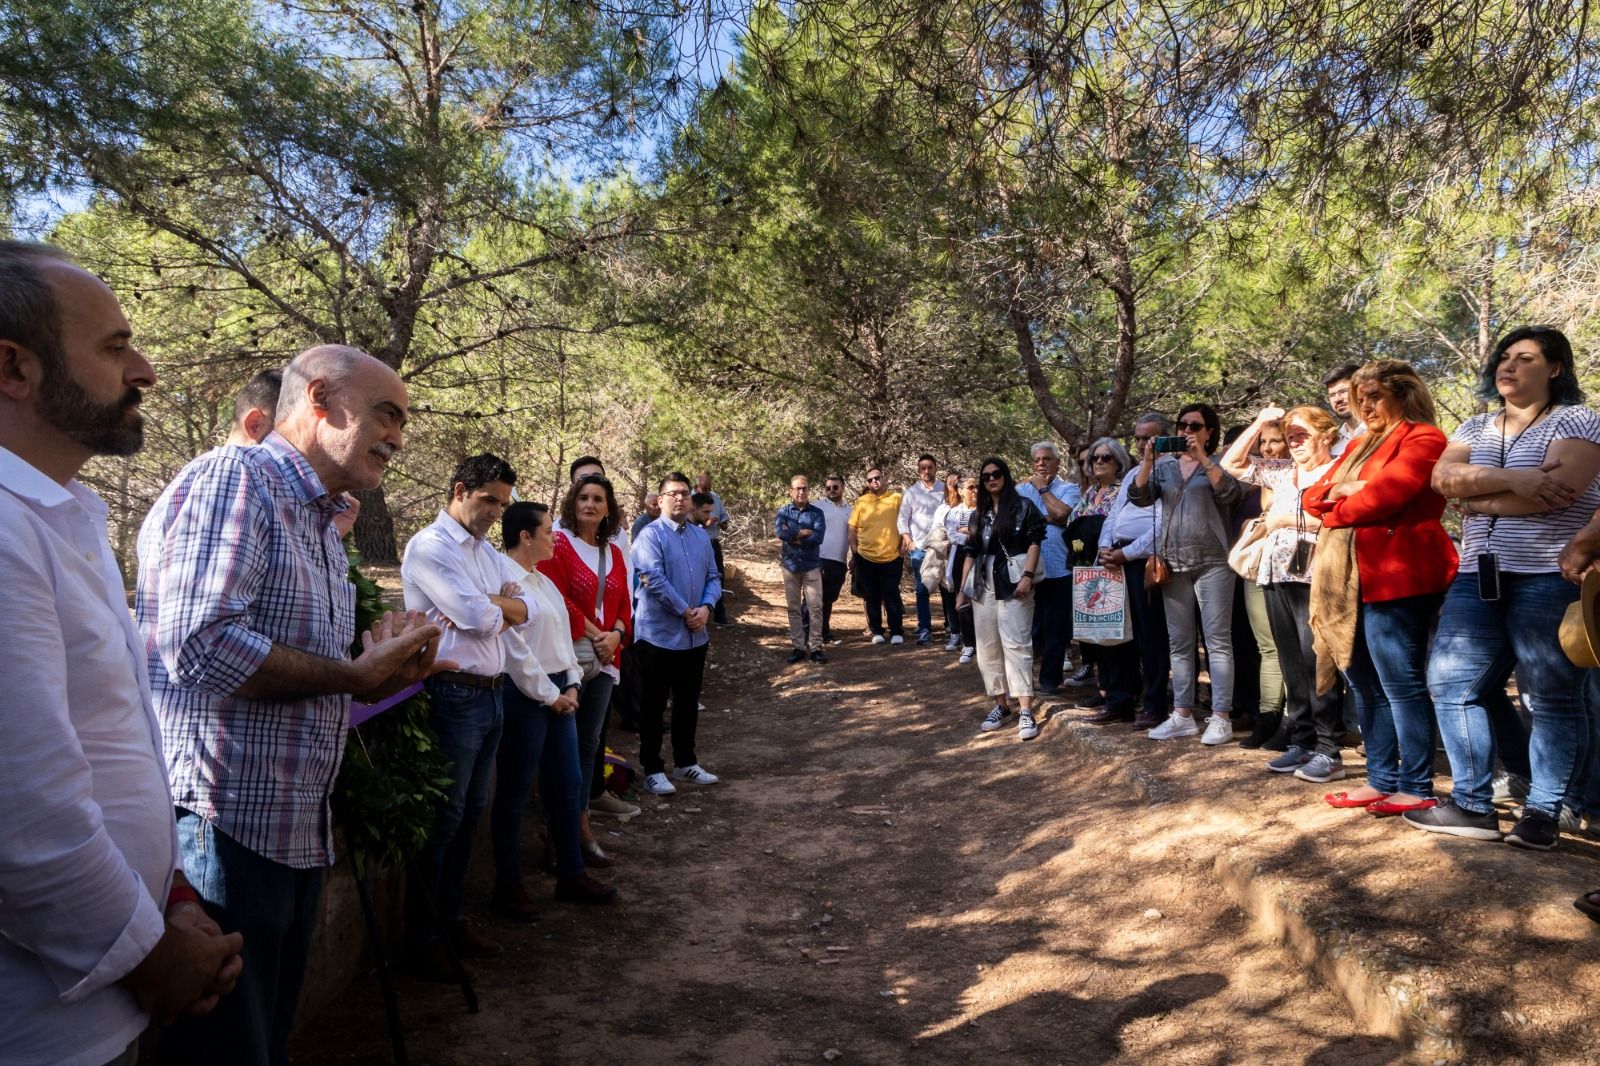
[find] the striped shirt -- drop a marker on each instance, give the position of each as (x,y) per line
(1526,544)
(238,554)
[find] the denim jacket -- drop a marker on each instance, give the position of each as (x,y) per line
(801,556)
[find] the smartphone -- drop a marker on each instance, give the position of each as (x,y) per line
(1169,445)
(1489,576)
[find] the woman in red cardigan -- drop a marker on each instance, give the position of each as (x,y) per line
(589,520)
(1383,562)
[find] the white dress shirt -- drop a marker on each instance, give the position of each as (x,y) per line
(836,535)
(917,505)
(89,843)
(451,574)
(543,646)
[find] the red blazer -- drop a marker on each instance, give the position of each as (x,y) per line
(1401,549)
(576,581)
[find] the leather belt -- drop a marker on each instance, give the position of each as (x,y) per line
(456,677)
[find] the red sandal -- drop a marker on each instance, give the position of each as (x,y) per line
(1386,808)
(1343,800)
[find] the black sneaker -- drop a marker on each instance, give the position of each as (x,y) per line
(1452,820)
(797,656)
(1534,830)
(818,657)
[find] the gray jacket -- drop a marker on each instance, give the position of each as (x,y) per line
(1194,515)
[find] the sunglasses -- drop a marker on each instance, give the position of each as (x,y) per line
(993,475)
(1102,458)
(1192,427)
(870,480)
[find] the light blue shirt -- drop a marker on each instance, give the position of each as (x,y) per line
(677,570)
(1053,552)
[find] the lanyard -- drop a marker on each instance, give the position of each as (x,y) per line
(1505,424)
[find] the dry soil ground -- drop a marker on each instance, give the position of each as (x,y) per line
(877,882)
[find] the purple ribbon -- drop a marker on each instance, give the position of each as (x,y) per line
(360,712)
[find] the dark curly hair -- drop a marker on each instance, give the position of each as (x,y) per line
(476,471)
(1553,344)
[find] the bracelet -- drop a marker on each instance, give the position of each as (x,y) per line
(1027,573)
(182,894)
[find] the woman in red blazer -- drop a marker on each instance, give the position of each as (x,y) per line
(590,519)
(1372,618)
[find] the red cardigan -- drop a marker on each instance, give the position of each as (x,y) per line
(1401,549)
(576,581)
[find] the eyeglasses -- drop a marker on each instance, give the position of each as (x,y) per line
(1192,427)
(1102,458)
(993,475)
(676,494)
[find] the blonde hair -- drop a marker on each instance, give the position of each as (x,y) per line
(1322,423)
(1399,379)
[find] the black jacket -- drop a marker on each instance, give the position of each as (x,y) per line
(1015,533)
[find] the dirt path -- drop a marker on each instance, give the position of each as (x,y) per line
(876,878)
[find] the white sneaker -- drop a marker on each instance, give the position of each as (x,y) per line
(953,643)
(897,639)
(877,638)
(1175,726)
(966,655)
(658,785)
(694,775)
(1027,728)
(997,714)
(1219,730)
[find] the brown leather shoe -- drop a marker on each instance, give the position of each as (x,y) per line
(471,944)
(1145,720)
(1108,717)
(513,903)
(431,963)
(584,889)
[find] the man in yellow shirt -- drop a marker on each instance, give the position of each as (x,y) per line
(875,556)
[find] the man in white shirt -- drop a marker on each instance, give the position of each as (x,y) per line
(1337,384)
(98,928)
(917,504)
(451,573)
(1127,539)
(835,548)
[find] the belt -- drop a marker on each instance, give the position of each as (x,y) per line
(456,677)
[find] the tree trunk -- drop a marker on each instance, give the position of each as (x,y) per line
(1127,337)
(1485,314)
(374,531)
(1022,328)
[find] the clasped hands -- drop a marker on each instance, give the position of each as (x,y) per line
(192,966)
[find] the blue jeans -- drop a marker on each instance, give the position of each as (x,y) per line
(468,721)
(275,907)
(1388,676)
(1478,646)
(593,703)
(924,599)
(536,740)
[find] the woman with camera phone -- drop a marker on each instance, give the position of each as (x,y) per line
(1526,477)
(1192,549)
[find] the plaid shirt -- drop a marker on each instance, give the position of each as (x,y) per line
(239,554)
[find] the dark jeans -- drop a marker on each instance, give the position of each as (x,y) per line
(1388,672)
(1586,797)
(947,604)
(275,907)
(594,702)
(924,596)
(833,575)
(625,694)
(1314,722)
(1150,634)
(1118,667)
(1477,647)
(663,673)
(1052,628)
(1247,695)
(880,585)
(468,722)
(536,740)
(719,613)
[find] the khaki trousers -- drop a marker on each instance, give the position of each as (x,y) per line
(804,588)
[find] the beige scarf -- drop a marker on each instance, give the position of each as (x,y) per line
(1336,579)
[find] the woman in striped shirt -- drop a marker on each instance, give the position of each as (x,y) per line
(1528,477)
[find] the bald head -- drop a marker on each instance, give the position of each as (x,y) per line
(345,412)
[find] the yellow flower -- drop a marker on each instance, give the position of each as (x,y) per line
(1077,545)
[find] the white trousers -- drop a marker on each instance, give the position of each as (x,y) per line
(1004,629)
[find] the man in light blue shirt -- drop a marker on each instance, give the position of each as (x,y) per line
(1052,594)
(679,582)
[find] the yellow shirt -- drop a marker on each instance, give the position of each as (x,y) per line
(876,522)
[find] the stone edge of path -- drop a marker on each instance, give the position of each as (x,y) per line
(1381,1003)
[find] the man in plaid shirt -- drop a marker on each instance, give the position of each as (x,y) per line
(248,619)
